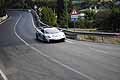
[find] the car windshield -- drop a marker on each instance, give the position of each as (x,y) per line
(51,30)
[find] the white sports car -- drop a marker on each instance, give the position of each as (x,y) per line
(50,34)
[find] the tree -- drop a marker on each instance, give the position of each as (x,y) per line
(52,17)
(108,20)
(48,16)
(60,8)
(70,6)
(62,19)
(2,8)
(63,9)
(45,3)
(29,3)
(114,19)
(90,15)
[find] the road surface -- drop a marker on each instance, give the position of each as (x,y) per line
(24,58)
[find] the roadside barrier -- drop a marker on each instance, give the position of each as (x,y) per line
(101,37)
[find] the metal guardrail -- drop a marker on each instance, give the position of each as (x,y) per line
(94,36)
(94,33)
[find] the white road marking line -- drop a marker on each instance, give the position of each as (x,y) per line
(97,50)
(68,41)
(3,22)
(16,32)
(94,49)
(49,57)
(3,75)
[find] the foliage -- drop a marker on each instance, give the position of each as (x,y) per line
(28,4)
(62,21)
(2,8)
(108,20)
(70,6)
(45,3)
(60,8)
(62,13)
(2,2)
(48,16)
(114,19)
(84,23)
(90,15)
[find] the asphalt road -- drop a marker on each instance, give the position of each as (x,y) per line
(24,58)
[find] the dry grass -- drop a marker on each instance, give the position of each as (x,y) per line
(99,39)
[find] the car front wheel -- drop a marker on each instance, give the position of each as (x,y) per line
(63,40)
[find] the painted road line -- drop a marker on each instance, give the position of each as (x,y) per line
(69,41)
(97,50)
(3,75)
(16,32)
(49,57)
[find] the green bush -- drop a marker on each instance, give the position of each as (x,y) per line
(108,20)
(48,16)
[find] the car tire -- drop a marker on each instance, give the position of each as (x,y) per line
(63,40)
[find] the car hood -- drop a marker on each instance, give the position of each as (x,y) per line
(55,34)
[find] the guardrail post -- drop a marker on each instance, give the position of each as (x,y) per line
(84,37)
(102,39)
